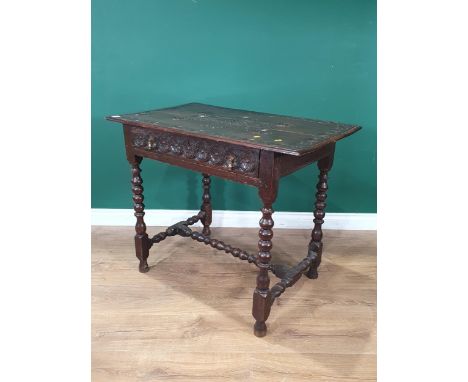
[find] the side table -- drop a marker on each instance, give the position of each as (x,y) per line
(244,146)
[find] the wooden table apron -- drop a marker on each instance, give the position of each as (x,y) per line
(244,163)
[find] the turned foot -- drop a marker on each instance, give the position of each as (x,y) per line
(143,267)
(312,273)
(260,329)
(315,254)
(206,231)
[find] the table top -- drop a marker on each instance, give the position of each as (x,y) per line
(279,133)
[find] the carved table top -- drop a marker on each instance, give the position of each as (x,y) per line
(269,132)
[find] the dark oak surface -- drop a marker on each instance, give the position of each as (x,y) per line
(269,132)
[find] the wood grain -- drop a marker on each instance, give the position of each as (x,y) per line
(268,132)
(188,319)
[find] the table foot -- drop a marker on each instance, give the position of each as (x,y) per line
(260,329)
(143,268)
(312,273)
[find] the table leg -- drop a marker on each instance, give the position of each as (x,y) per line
(141,238)
(316,244)
(262,296)
(206,205)
(268,190)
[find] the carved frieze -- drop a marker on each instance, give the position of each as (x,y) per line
(217,154)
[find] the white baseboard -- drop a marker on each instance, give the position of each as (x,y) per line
(247,219)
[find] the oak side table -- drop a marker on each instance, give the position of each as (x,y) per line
(244,146)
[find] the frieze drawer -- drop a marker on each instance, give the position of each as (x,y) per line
(216,154)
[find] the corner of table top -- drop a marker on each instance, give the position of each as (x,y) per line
(114,118)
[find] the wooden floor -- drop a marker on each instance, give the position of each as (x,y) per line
(189,318)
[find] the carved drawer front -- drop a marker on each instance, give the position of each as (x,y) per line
(217,154)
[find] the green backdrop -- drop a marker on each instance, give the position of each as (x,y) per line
(313,59)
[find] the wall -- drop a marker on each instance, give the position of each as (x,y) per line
(312,59)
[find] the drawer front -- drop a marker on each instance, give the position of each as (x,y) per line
(220,155)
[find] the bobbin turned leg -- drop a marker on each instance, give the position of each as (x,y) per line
(206,205)
(142,243)
(262,296)
(316,244)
